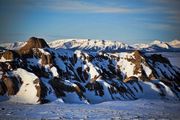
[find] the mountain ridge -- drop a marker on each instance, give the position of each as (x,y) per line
(86,77)
(105,45)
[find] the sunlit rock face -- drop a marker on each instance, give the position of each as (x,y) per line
(33,42)
(36,73)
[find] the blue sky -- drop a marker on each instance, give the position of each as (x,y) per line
(129,21)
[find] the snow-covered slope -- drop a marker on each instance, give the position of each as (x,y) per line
(28,91)
(76,76)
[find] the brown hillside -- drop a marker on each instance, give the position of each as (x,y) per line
(33,42)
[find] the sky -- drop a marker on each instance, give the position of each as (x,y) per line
(129,21)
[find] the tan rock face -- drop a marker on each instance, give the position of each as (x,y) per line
(46,59)
(33,42)
(9,55)
(137,60)
(41,91)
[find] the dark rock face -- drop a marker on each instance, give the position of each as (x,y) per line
(11,84)
(159,72)
(131,78)
(88,76)
(159,58)
(3,88)
(41,91)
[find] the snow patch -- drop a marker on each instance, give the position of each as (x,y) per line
(27,92)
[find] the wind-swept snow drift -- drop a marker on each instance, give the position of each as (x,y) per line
(36,73)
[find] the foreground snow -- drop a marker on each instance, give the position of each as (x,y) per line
(138,109)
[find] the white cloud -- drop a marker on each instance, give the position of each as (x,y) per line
(79,6)
(165,8)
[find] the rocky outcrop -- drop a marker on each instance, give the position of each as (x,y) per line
(11,84)
(46,59)
(138,59)
(41,91)
(33,42)
(9,55)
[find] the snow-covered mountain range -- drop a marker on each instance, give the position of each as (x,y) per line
(105,45)
(114,46)
(37,73)
(159,46)
(88,44)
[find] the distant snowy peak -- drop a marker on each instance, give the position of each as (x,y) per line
(175,43)
(90,44)
(157,42)
(161,44)
(140,46)
(158,45)
(107,45)
(12,46)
